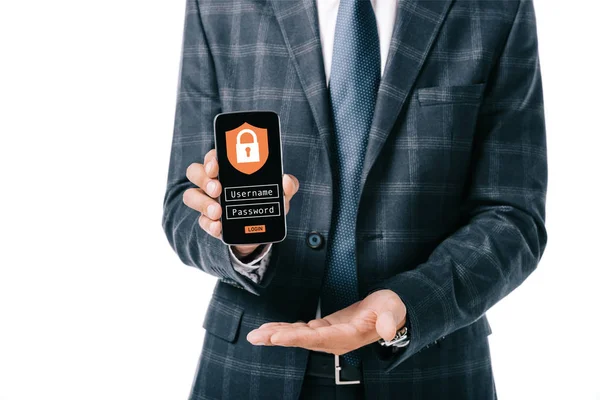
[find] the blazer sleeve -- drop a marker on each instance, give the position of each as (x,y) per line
(197,104)
(503,236)
(254,265)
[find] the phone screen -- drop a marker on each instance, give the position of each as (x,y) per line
(248,148)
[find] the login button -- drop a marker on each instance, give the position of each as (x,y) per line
(255,229)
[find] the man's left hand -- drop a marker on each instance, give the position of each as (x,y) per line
(379,315)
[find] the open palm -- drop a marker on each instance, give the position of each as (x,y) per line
(379,315)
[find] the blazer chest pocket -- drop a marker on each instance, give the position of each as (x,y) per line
(223,319)
(449,113)
(446,119)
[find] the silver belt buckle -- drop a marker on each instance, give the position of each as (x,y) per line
(338,370)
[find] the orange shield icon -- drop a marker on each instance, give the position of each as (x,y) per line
(247,148)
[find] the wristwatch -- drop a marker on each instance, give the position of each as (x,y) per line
(400,340)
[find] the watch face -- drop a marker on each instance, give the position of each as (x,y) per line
(400,340)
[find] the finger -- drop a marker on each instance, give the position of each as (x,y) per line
(199,201)
(338,339)
(273,324)
(282,324)
(211,166)
(259,337)
(272,327)
(197,175)
(296,181)
(286,205)
(342,336)
(290,185)
(316,340)
(212,154)
(262,335)
(299,337)
(211,227)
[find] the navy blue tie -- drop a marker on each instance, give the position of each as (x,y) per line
(353,84)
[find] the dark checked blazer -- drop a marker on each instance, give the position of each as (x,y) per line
(453,190)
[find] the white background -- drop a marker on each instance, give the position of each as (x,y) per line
(94,304)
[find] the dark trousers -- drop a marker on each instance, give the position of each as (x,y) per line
(319,380)
(315,387)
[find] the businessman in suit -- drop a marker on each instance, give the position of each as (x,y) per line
(414,149)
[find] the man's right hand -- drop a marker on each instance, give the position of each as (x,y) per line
(209,188)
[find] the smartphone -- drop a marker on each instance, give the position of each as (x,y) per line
(249,153)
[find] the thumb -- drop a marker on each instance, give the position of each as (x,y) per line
(390,319)
(290,185)
(386,325)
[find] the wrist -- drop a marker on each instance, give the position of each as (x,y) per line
(243,253)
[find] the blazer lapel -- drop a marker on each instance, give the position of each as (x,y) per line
(415,29)
(299,24)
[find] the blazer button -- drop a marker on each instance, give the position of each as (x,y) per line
(314,240)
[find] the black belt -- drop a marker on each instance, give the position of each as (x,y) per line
(325,365)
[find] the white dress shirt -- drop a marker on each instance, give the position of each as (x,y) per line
(385,13)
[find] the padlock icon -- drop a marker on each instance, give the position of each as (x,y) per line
(247,152)
(247,158)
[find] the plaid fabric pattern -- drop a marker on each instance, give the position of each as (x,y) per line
(453,189)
